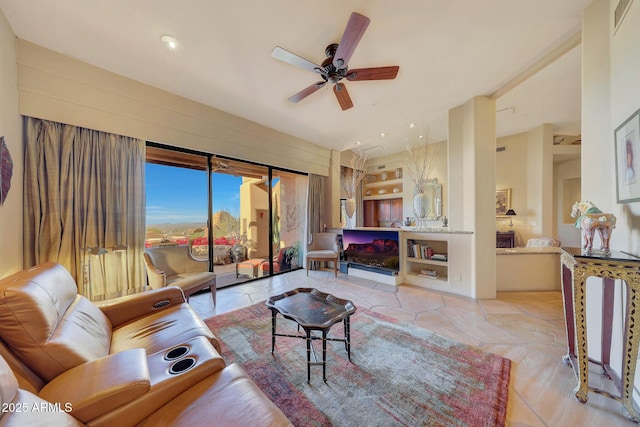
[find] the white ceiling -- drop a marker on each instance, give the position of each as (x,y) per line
(448,52)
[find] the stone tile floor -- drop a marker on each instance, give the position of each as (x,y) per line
(526,327)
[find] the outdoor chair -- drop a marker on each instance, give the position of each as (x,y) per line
(175,266)
(280,263)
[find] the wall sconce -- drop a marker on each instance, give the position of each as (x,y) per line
(511,213)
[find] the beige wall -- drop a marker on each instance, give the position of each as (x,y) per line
(567,191)
(510,173)
(610,94)
(11,129)
(526,166)
(56,87)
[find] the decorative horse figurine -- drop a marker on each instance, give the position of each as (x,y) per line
(590,219)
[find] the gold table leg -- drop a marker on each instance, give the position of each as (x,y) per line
(580,319)
(630,355)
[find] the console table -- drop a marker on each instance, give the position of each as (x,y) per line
(505,239)
(576,267)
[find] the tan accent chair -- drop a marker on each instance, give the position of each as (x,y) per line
(324,247)
(144,359)
(175,266)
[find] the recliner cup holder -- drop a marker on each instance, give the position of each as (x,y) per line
(182,365)
(176,352)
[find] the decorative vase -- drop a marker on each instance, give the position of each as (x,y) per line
(398,173)
(383,176)
(350,210)
(350,207)
(421,210)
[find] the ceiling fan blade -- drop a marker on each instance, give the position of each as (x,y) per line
(343,96)
(352,34)
(375,73)
(307,91)
(293,59)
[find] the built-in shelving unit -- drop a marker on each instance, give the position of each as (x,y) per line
(382,198)
(420,259)
(386,184)
(453,274)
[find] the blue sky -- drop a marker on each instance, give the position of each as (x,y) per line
(177,195)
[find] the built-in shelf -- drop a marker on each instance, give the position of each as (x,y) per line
(374,183)
(382,210)
(443,279)
(427,261)
(383,196)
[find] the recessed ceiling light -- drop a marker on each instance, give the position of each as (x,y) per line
(412,125)
(170,42)
(382,135)
(420,136)
(358,143)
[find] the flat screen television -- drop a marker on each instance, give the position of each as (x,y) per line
(372,248)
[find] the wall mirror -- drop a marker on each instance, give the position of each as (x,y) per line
(433,190)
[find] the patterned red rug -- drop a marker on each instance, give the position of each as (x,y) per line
(399,374)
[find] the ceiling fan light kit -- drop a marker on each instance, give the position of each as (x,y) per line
(336,66)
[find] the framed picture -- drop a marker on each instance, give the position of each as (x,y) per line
(627,140)
(503,201)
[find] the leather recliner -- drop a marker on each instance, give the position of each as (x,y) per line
(120,363)
(227,398)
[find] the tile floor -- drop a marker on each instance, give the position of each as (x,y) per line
(526,327)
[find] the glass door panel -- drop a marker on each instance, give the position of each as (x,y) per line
(240,220)
(177,206)
(288,208)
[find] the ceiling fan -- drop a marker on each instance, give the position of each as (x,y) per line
(335,67)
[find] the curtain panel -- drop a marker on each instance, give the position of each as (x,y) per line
(85,206)
(315,205)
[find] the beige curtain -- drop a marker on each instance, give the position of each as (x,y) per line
(85,206)
(315,205)
(359,207)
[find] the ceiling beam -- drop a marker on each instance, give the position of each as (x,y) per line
(558,52)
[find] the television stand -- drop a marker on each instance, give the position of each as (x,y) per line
(388,277)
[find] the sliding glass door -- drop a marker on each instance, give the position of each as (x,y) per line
(246,219)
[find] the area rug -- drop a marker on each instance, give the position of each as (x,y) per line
(399,374)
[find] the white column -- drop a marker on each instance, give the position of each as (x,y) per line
(472,185)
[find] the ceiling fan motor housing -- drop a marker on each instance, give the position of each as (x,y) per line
(329,72)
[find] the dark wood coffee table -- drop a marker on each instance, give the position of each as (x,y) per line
(312,310)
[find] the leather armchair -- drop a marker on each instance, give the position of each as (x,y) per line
(175,266)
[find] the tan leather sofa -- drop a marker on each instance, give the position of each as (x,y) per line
(144,359)
(175,266)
